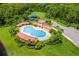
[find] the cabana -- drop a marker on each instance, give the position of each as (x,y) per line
(22,23)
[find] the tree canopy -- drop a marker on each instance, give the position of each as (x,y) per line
(68,13)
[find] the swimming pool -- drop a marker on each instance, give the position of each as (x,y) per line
(33,31)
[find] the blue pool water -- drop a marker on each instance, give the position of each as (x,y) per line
(34,32)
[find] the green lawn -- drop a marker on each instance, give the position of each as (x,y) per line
(67,48)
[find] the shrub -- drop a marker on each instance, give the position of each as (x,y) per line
(13,30)
(48,22)
(49,41)
(25,17)
(57,39)
(39,45)
(77,27)
(30,43)
(19,41)
(30,22)
(52,31)
(54,39)
(59,30)
(16,16)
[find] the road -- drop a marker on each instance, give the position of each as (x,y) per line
(71,33)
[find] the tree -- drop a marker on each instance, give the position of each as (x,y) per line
(54,39)
(52,31)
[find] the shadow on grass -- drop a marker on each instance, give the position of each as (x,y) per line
(2,50)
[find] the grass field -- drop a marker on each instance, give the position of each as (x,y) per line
(66,49)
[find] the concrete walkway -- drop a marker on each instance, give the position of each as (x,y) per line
(71,33)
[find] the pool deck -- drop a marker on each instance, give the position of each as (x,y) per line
(37,28)
(26,37)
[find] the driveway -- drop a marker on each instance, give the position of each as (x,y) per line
(71,33)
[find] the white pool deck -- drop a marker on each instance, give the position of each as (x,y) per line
(47,36)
